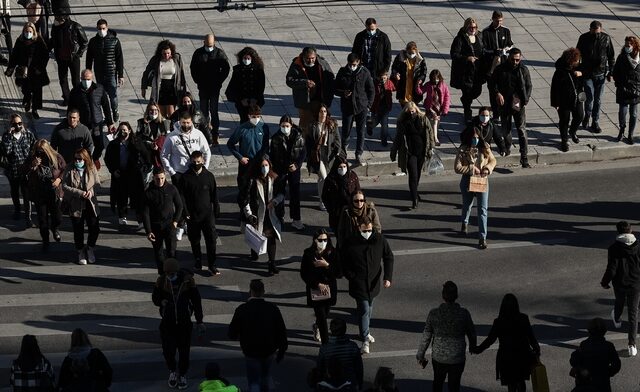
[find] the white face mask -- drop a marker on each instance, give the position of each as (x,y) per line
(342,171)
(353,67)
(86,84)
(208,48)
(153,116)
(246,61)
(28,35)
(321,245)
(285,130)
(310,65)
(628,49)
(264,170)
(365,234)
(412,55)
(373,32)
(484,119)
(103,33)
(254,121)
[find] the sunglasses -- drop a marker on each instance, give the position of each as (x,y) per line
(358,200)
(366,231)
(321,240)
(16,124)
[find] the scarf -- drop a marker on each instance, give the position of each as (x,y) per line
(634,61)
(358,213)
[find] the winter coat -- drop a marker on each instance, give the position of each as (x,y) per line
(465,74)
(285,150)
(40,179)
(400,148)
(67,140)
(85,369)
(33,54)
(360,83)
(427,90)
(383,99)
(486,131)
(216,386)
(419,74)
(176,156)
(247,82)
(565,87)
(341,350)
(597,54)
(361,264)
(200,122)
(252,140)
(75,186)
(623,263)
(104,56)
(320,153)
(209,69)
(200,195)
(494,41)
(627,80)
(510,81)
(346,226)
(297,81)
(183,299)
(382,53)
(600,358)
(34,379)
(151,77)
(16,150)
(162,206)
(254,202)
(467,157)
(259,326)
(77,36)
(337,190)
(93,104)
(313,276)
(517,350)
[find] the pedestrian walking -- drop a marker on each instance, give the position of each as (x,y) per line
(567,96)
(437,99)
(165,75)
(513,88)
(105,58)
(445,330)
(349,223)
(209,69)
(312,83)
(343,352)
(597,65)
(5,29)
(319,269)
(246,87)
(85,368)
(38,13)
(44,178)
(518,351)
(474,159)
(409,69)
(333,380)
(152,130)
(413,146)
(258,202)
(623,272)
(259,326)
(337,190)
(366,259)
(496,43)
(79,183)
(16,144)
(214,381)
(466,70)
(201,208)
(354,86)
(287,153)
(162,212)
(31,371)
(187,104)
(597,356)
(68,42)
(381,107)
(324,145)
(384,381)
(28,60)
(71,135)
(626,74)
(177,297)
(373,46)
(487,128)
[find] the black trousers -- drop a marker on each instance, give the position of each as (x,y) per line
(175,180)
(495,108)
(294,194)
(97,135)
(564,115)
(321,311)
(440,372)
(630,296)
(243,112)
(32,94)
(414,169)
(207,228)
(468,95)
(49,217)
(164,235)
(17,187)
(209,107)
(64,67)
(124,190)
(6,31)
(520,120)
(93,227)
(176,337)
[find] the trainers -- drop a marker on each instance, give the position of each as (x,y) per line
(365,347)
(214,271)
(179,233)
(82,257)
(91,257)
(616,323)
(316,333)
(297,224)
(595,127)
(122,221)
(370,339)
(182,383)
(173,380)
(361,161)
(321,206)
(633,351)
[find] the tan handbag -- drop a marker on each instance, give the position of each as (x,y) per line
(478,184)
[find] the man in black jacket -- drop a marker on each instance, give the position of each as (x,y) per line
(68,42)
(259,326)
(362,256)
(70,135)
(512,88)
(104,56)
(354,85)
(162,211)
(201,206)
(373,47)
(597,356)
(496,42)
(209,69)
(598,57)
(623,271)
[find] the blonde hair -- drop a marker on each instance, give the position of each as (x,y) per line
(467,23)
(32,26)
(406,110)
(150,105)
(43,144)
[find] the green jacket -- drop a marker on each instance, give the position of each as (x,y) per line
(216,386)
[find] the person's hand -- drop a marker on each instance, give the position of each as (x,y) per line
(36,162)
(244,102)
(423,362)
(605,286)
(484,172)
(398,76)
(472,59)
(175,225)
(292,167)
(320,263)
(556,107)
(144,93)
(311,83)
(476,171)
(244,161)
(56,182)
(87,194)
(347,93)
(271,204)
(112,128)
(386,284)
(151,237)
(280,356)
(155,147)
(609,78)
(430,153)
(188,217)
(201,328)
(120,82)
(577,74)
(9,72)
(500,99)
(252,219)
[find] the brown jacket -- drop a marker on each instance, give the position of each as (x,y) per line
(74,187)
(467,158)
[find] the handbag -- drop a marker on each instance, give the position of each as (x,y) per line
(539,379)
(317,295)
(255,240)
(478,184)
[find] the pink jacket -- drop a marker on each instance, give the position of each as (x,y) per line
(427,89)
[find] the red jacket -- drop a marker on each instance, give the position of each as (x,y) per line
(445,98)
(384,96)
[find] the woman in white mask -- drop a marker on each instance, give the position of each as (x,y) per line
(338,188)
(488,130)
(318,270)
(409,69)
(323,146)
(247,83)
(626,73)
(151,130)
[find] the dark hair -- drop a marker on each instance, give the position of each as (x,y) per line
(352,57)
(467,136)
(196,154)
(570,56)
(597,327)
(496,14)
(385,379)
(370,21)
(164,45)
(254,110)
(449,291)
(287,118)
(79,338)
(30,354)
(257,287)
(514,51)
(255,58)
(307,50)
(364,221)
(212,371)
(623,227)
(101,22)
(483,108)
(185,115)
(338,327)
(126,124)
(411,45)
(317,234)
(158,170)
(330,123)
(509,307)
(187,94)
(595,24)
(435,74)
(72,110)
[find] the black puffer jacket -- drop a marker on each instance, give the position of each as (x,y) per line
(93,104)
(465,74)
(209,69)
(627,81)
(597,53)
(360,83)
(76,34)
(247,82)
(285,150)
(565,86)
(105,55)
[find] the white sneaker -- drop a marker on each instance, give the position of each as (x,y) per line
(616,324)
(633,351)
(297,224)
(182,383)
(365,347)
(82,257)
(316,333)
(179,233)
(122,221)
(370,339)
(321,206)
(91,257)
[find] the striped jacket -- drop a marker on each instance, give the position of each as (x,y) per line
(39,379)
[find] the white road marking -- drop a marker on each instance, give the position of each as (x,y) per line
(500,245)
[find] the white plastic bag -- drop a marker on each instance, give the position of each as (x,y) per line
(435,165)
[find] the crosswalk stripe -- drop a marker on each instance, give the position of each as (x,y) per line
(462,248)
(78,270)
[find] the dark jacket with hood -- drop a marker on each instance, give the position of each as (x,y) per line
(627,78)
(209,69)
(381,57)
(77,43)
(597,54)
(105,55)
(465,74)
(85,369)
(510,81)
(600,358)
(297,79)
(336,193)
(360,83)
(247,82)
(565,86)
(623,265)
(259,326)
(183,299)
(419,75)
(93,104)
(285,150)
(361,264)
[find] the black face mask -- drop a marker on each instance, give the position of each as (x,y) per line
(185,129)
(197,166)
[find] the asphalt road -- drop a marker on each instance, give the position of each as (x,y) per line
(549,228)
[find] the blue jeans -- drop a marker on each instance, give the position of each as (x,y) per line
(361,124)
(594,89)
(110,84)
(467,204)
(364,309)
(258,373)
(632,109)
(383,120)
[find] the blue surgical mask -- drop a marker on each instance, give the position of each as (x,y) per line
(264,170)
(475,141)
(484,119)
(79,165)
(628,49)
(28,35)
(86,84)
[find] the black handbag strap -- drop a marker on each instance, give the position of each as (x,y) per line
(184,143)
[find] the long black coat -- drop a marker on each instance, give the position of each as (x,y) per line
(565,87)
(364,263)
(336,193)
(209,69)
(35,55)
(627,81)
(297,79)
(465,74)
(360,83)
(312,275)
(97,377)
(247,82)
(381,54)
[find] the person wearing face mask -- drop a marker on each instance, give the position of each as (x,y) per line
(366,259)
(483,122)
(28,60)
(68,42)
(247,83)
(151,131)
(165,75)
(79,184)
(474,158)
(466,72)
(318,269)
(16,144)
(413,146)
(373,47)
(324,145)
(352,214)
(566,87)
(409,69)
(209,69)
(187,104)
(496,42)
(201,208)
(340,184)
(437,99)
(381,107)
(312,83)
(104,56)
(626,74)
(598,57)
(287,153)
(259,204)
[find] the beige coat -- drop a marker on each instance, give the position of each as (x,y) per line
(467,157)
(74,187)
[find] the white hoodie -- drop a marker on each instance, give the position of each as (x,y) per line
(175,157)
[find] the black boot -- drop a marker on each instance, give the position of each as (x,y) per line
(564,146)
(585,121)
(631,137)
(620,134)
(524,161)
(273,270)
